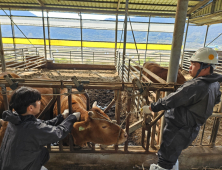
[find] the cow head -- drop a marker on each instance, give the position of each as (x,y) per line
(98,129)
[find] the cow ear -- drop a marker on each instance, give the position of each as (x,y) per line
(90,113)
(94,104)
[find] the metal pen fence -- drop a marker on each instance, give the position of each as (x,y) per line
(85,57)
(132,70)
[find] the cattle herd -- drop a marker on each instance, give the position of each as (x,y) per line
(95,126)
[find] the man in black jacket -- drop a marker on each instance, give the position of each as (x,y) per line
(25,137)
(188,108)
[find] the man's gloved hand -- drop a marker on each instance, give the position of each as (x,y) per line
(65,114)
(146,109)
(77,114)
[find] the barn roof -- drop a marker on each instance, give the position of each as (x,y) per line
(200,11)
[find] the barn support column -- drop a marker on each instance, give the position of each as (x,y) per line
(49,39)
(185,40)
(13,33)
(80,15)
(147,37)
(180,20)
(43,23)
(205,39)
(125,34)
(116,34)
(2,52)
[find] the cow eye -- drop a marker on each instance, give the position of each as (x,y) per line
(104,127)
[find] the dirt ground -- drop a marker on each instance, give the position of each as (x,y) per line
(104,97)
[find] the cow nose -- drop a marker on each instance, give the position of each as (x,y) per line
(125,135)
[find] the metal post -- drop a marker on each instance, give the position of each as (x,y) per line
(43,22)
(70,56)
(148,31)
(116,34)
(80,15)
(2,52)
(180,20)
(49,38)
(185,40)
(205,39)
(125,34)
(13,33)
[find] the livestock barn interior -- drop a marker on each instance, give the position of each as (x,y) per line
(99,47)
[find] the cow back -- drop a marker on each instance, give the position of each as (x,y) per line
(161,72)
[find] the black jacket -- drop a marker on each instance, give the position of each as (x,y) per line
(26,136)
(193,102)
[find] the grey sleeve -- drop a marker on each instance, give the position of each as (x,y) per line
(218,97)
(46,134)
(184,96)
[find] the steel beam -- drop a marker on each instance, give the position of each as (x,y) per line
(86,10)
(180,21)
(2,52)
(200,4)
(49,39)
(205,39)
(125,35)
(147,37)
(184,45)
(13,32)
(80,15)
(43,22)
(116,35)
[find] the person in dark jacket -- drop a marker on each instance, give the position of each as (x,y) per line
(188,108)
(25,137)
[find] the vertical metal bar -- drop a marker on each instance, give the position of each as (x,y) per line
(129,70)
(80,15)
(2,52)
(70,112)
(125,34)
(59,112)
(13,33)
(117,109)
(43,22)
(127,122)
(214,131)
(148,139)
(133,36)
(202,134)
(49,38)
(154,126)
(116,34)
(180,20)
(185,40)
(205,39)
(93,57)
(147,37)
(70,56)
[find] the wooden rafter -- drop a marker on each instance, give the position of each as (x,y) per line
(200,4)
(40,2)
(118,5)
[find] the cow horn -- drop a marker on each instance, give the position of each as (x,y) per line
(90,113)
(94,104)
(114,121)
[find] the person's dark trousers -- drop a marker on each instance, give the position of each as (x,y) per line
(175,139)
(42,159)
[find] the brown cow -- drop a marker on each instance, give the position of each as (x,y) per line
(161,72)
(90,129)
(93,127)
(44,100)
